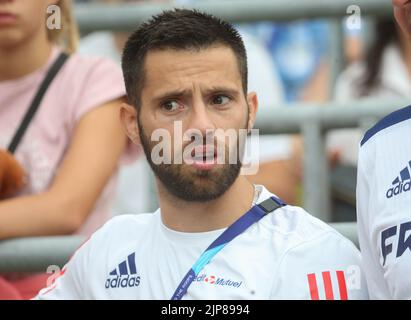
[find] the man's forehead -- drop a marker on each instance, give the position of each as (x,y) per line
(222,58)
(170,67)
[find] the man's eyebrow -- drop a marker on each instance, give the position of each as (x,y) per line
(185,92)
(222,89)
(171,94)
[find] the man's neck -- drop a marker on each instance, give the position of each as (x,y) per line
(405,46)
(217,214)
(24,58)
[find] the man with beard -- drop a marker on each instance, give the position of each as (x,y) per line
(215,236)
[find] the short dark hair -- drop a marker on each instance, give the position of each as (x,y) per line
(178,29)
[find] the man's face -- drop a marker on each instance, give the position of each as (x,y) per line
(200,91)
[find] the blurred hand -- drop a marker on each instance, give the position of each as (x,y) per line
(402,13)
(334,157)
(12,175)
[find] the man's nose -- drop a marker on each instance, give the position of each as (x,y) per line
(200,118)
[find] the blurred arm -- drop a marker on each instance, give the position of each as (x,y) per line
(92,157)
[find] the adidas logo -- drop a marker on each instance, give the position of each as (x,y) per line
(400,184)
(125,275)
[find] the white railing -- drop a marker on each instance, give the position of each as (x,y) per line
(39,253)
(128,16)
(313,122)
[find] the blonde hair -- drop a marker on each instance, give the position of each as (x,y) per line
(68,35)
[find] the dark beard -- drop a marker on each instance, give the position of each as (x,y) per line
(200,186)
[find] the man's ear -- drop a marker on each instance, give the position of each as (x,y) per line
(252,109)
(128,117)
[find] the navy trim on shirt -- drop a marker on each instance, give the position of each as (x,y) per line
(388,121)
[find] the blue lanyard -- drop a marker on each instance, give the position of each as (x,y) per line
(249,218)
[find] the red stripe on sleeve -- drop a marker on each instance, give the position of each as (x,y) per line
(312,283)
(328,286)
(342,285)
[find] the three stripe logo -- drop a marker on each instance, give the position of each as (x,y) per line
(402,183)
(122,268)
(324,286)
(125,275)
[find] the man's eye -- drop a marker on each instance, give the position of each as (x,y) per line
(221,100)
(170,106)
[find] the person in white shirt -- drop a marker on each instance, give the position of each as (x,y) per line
(215,235)
(384,197)
(383,206)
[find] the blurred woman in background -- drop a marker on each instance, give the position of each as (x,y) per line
(383,75)
(73,145)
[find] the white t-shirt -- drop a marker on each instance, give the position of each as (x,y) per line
(288,254)
(384,206)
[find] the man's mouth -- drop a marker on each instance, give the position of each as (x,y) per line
(204,153)
(203,157)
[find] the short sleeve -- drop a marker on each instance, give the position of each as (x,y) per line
(325,268)
(69,285)
(97,81)
(384,215)
(74,282)
(102,82)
